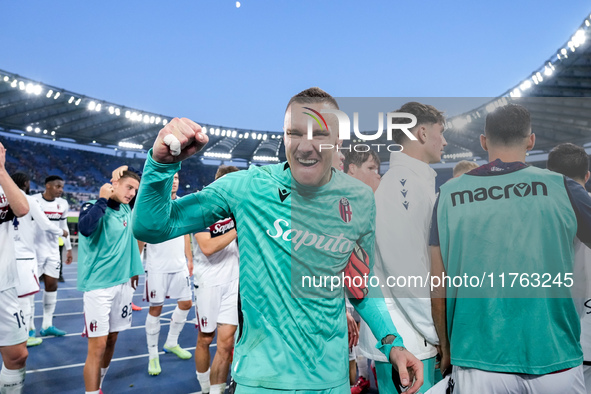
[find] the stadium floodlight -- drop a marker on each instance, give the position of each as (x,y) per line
(547,71)
(71,100)
(117,111)
(158,120)
(6,78)
(37,90)
(111,110)
(265,137)
(130,145)
(516,92)
(29,88)
(146,119)
(45,131)
(240,135)
(94,141)
(98,107)
(254,136)
(21,85)
(49,93)
(91,106)
(78,101)
(13,84)
(53,133)
(217,131)
(245,135)
(127,114)
(223,132)
(152,119)
(265,158)
(490,107)
(56,95)
(203,129)
(29,128)
(539,75)
(234,134)
(525,85)
(37,130)
(164,122)
(579,38)
(587,23)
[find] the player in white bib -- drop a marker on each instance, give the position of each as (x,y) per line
(169,267)
(24,238)
(13,332)
(216,298)
(48,257)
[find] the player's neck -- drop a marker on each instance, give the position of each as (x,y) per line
(47,197)
(506,155)
(418,154)
(173,196)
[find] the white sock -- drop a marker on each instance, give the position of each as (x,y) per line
(203,379)
(362,366)
(217,388)
(93,392)
(49,301)
(103,373)
(31,312)
(152,334)
(12,381)
(177,322)
(23,303)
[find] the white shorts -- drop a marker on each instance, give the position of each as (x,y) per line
(175,285)
(216,304)
(587,374)
(12,319)
(107,310)
(471,380)
(49,265)
(28,283)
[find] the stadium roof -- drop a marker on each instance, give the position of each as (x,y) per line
(555,93)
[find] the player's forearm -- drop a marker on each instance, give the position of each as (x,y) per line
(15,196)
(375,313)
(64,226)
(90,216)
(213,245)
(41,220)
(156,217)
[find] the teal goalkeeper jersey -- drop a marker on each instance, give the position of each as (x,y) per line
(292,337)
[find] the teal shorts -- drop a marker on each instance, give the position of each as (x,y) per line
(242,389)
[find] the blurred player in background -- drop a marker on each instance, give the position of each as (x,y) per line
(25,229)
(286,342)
(108,267)
(365,167)
(216,298)
(169,266)
(13,330)
(48,251)
(572,161)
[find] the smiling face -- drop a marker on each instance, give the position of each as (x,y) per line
(309,165)
(124,190)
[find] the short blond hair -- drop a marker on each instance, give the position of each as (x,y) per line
(463,167)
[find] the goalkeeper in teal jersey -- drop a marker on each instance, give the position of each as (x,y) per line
(294,219)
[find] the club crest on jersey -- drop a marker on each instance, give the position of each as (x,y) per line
(204,322)
(93,326)
(125,223)
(345,210)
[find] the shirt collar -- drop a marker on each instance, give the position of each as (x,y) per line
(421,168)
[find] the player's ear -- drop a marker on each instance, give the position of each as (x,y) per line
(483,142)
(422,134)
(531,141)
